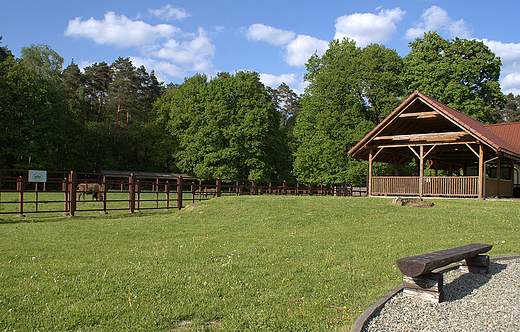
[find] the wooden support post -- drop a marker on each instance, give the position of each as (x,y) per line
(131,193)
(478,264)
(219,187)
(499,164)
(179,193)
(421,170)
(481,173)
(427,286)
(167,190)
(72,193)
(20,189)
(369,184)
(104,188)
(65,190)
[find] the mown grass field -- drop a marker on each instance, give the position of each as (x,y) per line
(249,263)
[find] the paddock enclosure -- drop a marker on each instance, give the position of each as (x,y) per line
(135,191)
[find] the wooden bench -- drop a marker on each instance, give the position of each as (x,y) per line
(420,281)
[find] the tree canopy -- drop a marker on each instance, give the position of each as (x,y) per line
(225,127)
(350,90)
(460,73)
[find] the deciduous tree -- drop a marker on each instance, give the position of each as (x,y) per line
(460,73)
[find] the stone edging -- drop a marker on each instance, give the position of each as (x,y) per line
(374,308)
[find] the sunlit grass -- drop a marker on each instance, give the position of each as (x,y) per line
(229,264)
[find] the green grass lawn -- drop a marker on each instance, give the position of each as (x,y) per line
(275,263)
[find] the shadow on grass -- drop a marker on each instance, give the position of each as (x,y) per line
(465,284)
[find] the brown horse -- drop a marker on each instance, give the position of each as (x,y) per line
(94,189)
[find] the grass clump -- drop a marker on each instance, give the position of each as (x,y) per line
(248,263)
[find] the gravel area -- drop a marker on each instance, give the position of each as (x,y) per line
(472,302)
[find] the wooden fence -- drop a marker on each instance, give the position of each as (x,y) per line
(59,193)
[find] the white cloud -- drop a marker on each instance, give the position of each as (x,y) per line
(194,54)
(366,28)
(163,69)
(119,30)
(509,54)
(274,81)
(511,83)
(261,32)
(436,18)
(169,12)
(299,50)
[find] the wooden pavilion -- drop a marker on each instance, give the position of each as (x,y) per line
(481,163)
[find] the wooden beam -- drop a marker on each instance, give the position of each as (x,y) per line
(452,135)
(421,170)
(481,173)
(369,184)
(402,145)
(420,115)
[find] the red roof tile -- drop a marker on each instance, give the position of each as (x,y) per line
(509,132)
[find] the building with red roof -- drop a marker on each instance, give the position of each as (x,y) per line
(481,160)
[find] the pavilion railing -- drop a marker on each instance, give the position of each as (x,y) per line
(453,186)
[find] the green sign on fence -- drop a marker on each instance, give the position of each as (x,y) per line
(37,176)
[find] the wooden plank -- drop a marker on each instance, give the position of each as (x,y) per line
(435,297)
(420,114)
(432,282)
(421,264)
(428,136)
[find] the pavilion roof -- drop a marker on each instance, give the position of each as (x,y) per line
(422,120)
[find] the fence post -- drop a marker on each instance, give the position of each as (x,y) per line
(254,187)
(131,192)
(219,187)
(192,192)
(104,187)
(167,190)
(179,193)
(19,188)
(310,188)
(65,190)
(72,190)
(138,191)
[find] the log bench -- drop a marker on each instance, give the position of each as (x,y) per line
(420,281)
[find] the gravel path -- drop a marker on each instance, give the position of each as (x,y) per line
(472,302)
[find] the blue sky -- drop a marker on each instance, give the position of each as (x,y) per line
(273,38)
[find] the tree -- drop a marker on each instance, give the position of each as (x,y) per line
(97,81)
(350,90)
(43,61)
(380,72)
(510,112)
(4,52)
(460,73)
(226,127)
(32,117)
(286,101)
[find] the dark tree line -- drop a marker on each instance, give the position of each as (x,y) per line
(121,117)
(62,119)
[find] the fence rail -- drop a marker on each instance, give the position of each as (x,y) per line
(18,195)
(456,186)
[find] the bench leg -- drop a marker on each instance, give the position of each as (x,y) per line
(478,264)
(427,287)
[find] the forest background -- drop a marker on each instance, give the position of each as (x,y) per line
(119,117)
